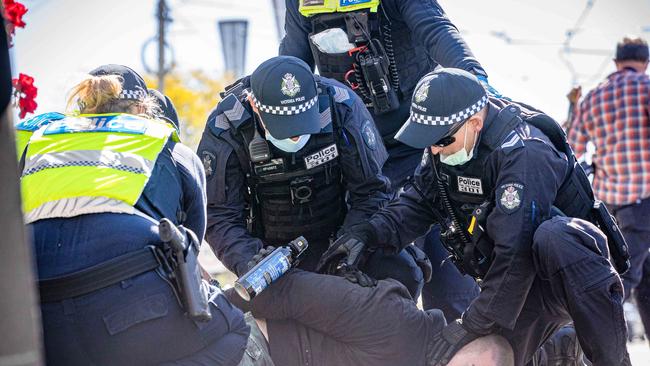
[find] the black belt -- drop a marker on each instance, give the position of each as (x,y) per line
(98,276)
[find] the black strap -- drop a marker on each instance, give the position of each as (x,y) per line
(98,276)
(507,120)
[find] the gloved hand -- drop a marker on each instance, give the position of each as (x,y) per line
(263,253)
(451,339)
(490,90)
(356,276)
(345,251)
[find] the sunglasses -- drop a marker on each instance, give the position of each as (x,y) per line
(449,138)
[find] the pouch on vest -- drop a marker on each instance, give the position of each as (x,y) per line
(368,68)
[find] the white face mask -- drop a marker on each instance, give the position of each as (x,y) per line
(288,145)
(461,156)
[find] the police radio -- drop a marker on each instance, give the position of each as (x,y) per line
(258,148)
(375,71)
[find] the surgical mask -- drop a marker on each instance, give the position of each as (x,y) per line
(288,145)
(461,156)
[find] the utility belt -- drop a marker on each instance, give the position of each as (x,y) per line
(176,259)
(369,67)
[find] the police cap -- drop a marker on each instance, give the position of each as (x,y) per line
(285,93)
(443,100)
(133,86)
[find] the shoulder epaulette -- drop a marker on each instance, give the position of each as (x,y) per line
(229,113)
(342,95)
(512,142)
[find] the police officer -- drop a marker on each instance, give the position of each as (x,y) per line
(381,49)
(288,153)
(166,109)
(498,186)
(95,184)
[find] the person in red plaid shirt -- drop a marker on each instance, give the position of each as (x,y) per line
(615,118)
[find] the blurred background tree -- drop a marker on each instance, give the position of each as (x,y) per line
(194,95)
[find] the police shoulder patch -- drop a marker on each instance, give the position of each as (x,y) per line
(368,134)
(209,163)
(509,197)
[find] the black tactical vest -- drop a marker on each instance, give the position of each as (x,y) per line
(300,193)
(463,189)
(407,62)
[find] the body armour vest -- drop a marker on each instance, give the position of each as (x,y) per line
(289,194)
(300,193)
(383,49)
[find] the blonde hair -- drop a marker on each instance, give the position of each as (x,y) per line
(101,94)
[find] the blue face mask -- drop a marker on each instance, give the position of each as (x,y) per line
(461,156)
(288,145)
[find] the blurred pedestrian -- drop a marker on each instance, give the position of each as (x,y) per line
(615,118)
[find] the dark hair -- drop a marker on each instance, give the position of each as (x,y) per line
(632,49)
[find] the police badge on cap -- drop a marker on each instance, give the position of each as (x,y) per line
(290,86)
(284,91)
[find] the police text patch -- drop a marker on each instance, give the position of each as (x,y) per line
(469,185)
(509,197)
(321,157)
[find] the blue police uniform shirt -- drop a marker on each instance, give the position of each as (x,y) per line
(418,50)
(362,156)
(531,166)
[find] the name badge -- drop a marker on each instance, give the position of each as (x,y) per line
(469,185)
(321,157)
(272,167)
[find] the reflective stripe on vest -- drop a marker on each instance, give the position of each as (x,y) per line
(90,164)
(311,7)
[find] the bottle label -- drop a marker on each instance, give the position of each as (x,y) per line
(269,270)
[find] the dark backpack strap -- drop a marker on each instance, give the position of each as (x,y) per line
(507,120)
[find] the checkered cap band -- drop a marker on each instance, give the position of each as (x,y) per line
(452,119)
(133,94)
(285,110)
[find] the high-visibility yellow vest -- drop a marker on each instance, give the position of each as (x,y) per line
(311,7)
(26,128)
(90,164)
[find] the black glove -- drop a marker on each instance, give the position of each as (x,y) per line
(345,251)
(356,276)
(451,339)
(263,253)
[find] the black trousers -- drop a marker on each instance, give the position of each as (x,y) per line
(633,222)
(575,282)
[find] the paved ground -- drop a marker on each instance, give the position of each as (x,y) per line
(639,353)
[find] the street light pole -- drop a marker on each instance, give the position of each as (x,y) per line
(162,19)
